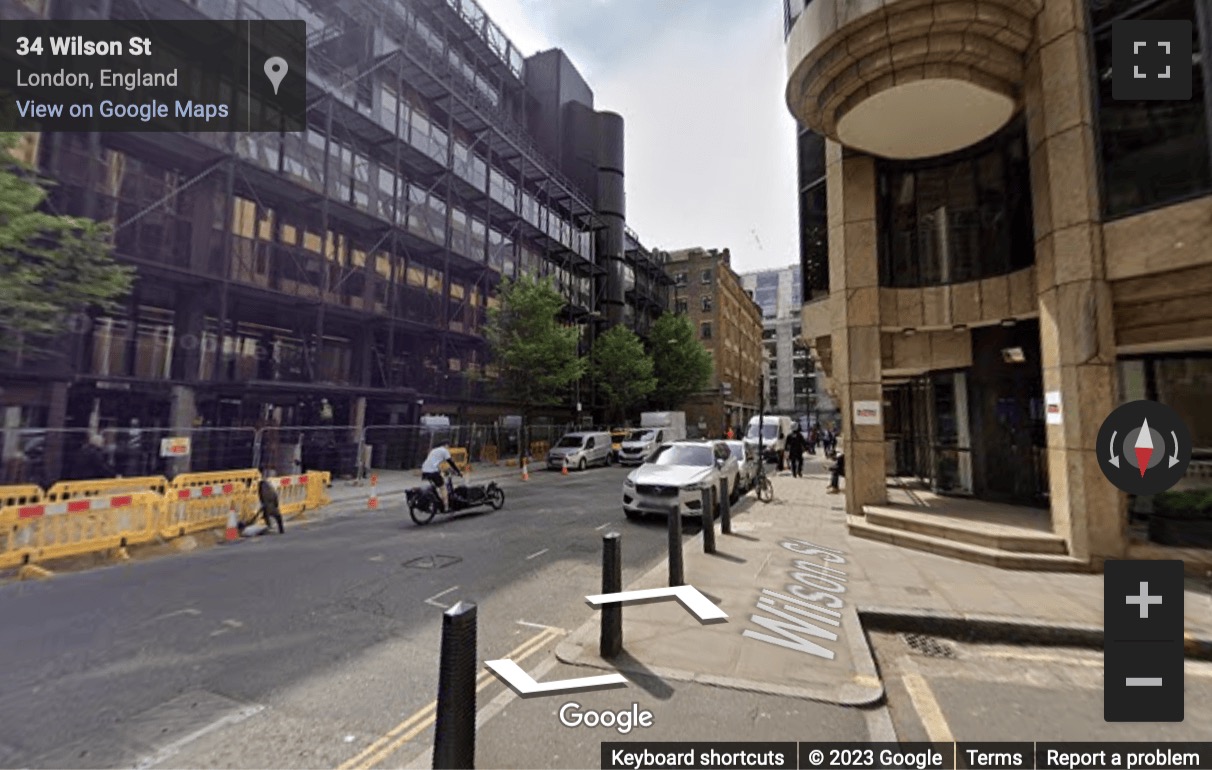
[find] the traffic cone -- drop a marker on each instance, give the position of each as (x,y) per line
(565,470)
(232,533)
(525,470)
(373,502)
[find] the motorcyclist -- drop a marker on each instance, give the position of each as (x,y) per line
(431,470)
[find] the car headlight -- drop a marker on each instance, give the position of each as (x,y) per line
(629,483)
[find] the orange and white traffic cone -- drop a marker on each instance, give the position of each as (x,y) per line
(232,533)
(525,470)
(565,469)
(373,502)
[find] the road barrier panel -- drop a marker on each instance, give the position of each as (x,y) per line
(72,490)
(198,501)
(20,494)
(294,493)
(45,530)
(459,456)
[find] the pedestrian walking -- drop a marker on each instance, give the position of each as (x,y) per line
(795,452)
(269,501)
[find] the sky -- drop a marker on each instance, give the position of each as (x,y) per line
(710,145)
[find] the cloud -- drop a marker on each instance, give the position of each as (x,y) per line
(710,143)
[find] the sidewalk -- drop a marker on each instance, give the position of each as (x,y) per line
(798,590)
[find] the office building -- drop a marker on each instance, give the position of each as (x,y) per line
(729,324)
(353,263)
(988,235)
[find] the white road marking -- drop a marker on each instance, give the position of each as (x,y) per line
(604,526)
(540,625)
(537,553)
(230,624)
(430,601)
(174,748)
(186,611)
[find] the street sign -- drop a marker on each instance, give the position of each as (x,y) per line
(174,447)
(867,412)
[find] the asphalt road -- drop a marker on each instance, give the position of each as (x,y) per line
(323,639)
(951,691)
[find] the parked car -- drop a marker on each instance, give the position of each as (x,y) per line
(678,474)
(641,445)
(747,466)
(581,450)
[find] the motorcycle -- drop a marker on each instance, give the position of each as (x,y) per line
(424,502)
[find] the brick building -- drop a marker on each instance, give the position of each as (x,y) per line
(729,324)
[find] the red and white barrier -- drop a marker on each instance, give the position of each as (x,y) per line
(83,505)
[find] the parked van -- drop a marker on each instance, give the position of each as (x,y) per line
(581,449)
(775,430)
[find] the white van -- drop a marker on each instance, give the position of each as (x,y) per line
(580,450)
(776,429)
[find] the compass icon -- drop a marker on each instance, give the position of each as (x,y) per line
(1144,448)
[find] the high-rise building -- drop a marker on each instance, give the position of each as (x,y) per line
(353,263)
(1003,239)
(791,371)
(729,324)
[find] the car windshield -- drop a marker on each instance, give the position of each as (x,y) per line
(769,431)
(569,442)
(686,454)
(641,435)
(737,450)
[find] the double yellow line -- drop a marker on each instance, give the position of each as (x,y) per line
(422,720)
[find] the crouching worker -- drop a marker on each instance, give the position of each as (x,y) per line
(837,471)
(269,502)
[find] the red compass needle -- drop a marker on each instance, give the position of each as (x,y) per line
(1144,448)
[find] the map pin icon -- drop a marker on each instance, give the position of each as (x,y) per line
(275,70)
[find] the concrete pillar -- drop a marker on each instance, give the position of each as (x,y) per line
(182,412)
(1077,334)
(854,286)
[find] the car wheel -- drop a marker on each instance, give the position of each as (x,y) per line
(582,465)
(633,515)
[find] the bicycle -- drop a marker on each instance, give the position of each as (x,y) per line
(762,485)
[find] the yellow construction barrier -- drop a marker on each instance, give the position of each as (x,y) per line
(539,450)
(297,494)
(489,454)
(46,530)
(72,490)
(20,494)
(197,501)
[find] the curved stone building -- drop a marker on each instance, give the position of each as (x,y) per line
(989,236)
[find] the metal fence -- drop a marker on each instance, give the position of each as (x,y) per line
(44,457)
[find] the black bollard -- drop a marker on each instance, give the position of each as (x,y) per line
(725,509)
(454,741)
(708,523)
(612,583)
(676,572)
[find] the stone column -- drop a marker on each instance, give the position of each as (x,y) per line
(854,293)
(1077,334)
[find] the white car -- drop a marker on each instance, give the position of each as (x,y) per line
(746,458)
(678,475)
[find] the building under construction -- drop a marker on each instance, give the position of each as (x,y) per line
(343,273)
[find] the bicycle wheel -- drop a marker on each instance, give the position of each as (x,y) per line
(765,490)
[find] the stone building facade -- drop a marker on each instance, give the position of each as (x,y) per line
(1002,234)
(729,324)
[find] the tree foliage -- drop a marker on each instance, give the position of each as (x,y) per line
(535,356)
(681,363)
(622,370)
(53,265)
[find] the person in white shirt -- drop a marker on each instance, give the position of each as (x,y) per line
(431,470)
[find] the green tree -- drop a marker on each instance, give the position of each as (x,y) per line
(535,356)
(681,364)
(622,370)
(53,265)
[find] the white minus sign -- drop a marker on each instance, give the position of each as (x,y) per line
(1144,681)
(537,553)
(604,526)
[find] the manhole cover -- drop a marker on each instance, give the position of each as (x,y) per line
(432,562)
(928,646)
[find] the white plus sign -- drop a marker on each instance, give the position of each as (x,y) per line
(1144,600)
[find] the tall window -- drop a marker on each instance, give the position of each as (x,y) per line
(814,234)
(1153,152)
(958,218)
(707,303)
(705,330)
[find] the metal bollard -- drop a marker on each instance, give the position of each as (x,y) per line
(676,572)
(612,583)
(725,509)
(454,742)
(708,523)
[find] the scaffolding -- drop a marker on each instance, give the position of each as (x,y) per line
(415,162)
